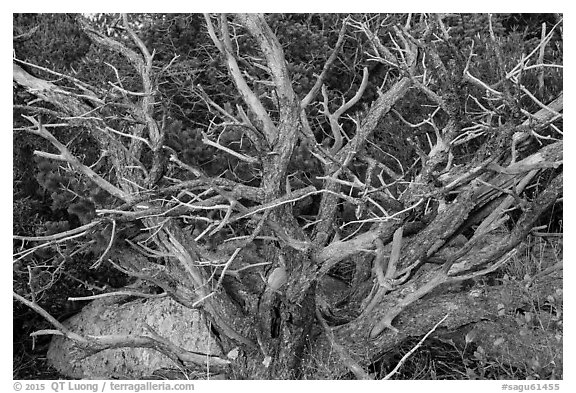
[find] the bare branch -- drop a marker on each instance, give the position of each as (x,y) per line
(123,292)
(409,353)
(383,52)
(437,278)
(88,89)
(320,80)
(34,306)
(347,105)
(380,107)
(107,42)
(538,102)
(138,42)
(240,156)
(525,59)
(274,54)
(110,243)
(67,156)
(26,35)
(60,235)
(255,105)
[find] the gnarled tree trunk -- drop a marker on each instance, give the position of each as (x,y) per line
(261,292)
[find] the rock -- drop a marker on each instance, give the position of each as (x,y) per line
(184,327)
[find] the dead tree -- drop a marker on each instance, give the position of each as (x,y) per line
(411,235)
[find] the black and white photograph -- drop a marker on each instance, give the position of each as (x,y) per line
(287,196)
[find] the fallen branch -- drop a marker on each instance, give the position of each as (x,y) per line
(405,357)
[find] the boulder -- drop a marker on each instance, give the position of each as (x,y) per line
(182,326)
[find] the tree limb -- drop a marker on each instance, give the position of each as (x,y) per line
(67,156)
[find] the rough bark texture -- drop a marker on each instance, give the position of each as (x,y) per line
(262,304)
